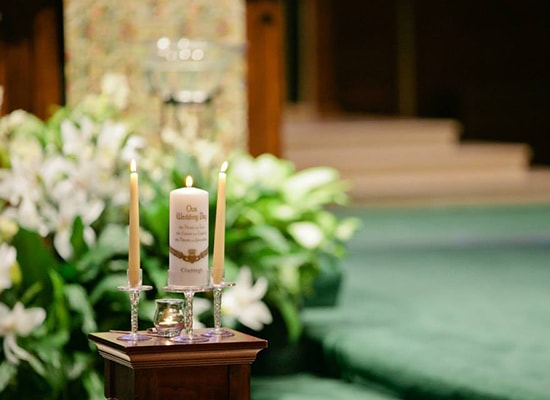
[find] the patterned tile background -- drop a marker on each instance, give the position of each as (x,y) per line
(116,36)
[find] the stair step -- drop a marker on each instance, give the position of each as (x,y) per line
(335,133)
(404,160)
(527,186)
(398,159)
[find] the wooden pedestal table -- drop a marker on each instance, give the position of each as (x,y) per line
(159,369)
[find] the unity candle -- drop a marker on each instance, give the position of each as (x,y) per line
(188,262)
(219,230)
(133,252)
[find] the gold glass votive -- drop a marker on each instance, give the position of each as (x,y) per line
(169,317)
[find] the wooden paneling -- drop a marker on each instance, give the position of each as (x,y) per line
(31,64)
(264,23)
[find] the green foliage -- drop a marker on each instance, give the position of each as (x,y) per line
(277,224)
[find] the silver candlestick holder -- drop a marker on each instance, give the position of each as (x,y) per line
(134,292)
(187,336)
(217,292)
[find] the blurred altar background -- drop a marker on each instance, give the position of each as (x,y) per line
(102,36)
(56,52)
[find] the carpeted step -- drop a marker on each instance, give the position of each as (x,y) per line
(399,160)
(442,187)
(413,159)
(369,132)
(443,304)
(305,386)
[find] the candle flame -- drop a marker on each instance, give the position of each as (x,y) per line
(189,181)
(224,166)
(133,167)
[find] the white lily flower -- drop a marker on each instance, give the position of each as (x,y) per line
(19,322)
(243,301)
(109,141)
(72,204)
(8,255)
(307,234)
(19,182)
(77,140)
(26,148)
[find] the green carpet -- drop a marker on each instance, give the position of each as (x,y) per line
(449,303)
(309,387)
(437,303)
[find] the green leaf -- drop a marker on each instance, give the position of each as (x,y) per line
(290,315)
(155,219)
(35,261)
(347,228)
(113,241)
(32,292)
(107,287)
(7,373)
(156,271)
(77,238)
(115,238)
(58,317)
(78,302)
(272,237)
(93,383)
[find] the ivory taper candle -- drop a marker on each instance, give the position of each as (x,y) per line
(219,230)
(133,252)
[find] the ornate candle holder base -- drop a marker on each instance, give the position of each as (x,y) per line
(187,336)
(217,331)
(134,292)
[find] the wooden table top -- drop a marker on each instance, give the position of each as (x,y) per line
(158,351)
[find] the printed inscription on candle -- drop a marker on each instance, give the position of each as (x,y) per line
(191,213)
(193,234)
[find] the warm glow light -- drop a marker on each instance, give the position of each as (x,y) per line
(133,167)
(189,181)
(224,167)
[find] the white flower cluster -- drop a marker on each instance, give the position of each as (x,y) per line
(8,256)
(241,303)
(17,321)
(48,185)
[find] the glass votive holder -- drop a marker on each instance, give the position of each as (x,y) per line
(169,317)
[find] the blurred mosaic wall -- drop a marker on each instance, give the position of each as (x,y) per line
(104,36)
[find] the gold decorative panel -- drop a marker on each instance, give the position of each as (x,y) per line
(105,36)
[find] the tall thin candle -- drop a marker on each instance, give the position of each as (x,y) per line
(219,230)
(133,253)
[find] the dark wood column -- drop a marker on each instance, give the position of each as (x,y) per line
(32,64)
(31,56)
(264,22)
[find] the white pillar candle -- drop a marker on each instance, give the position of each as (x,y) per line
(219,230)
(133,251)
(188,261)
